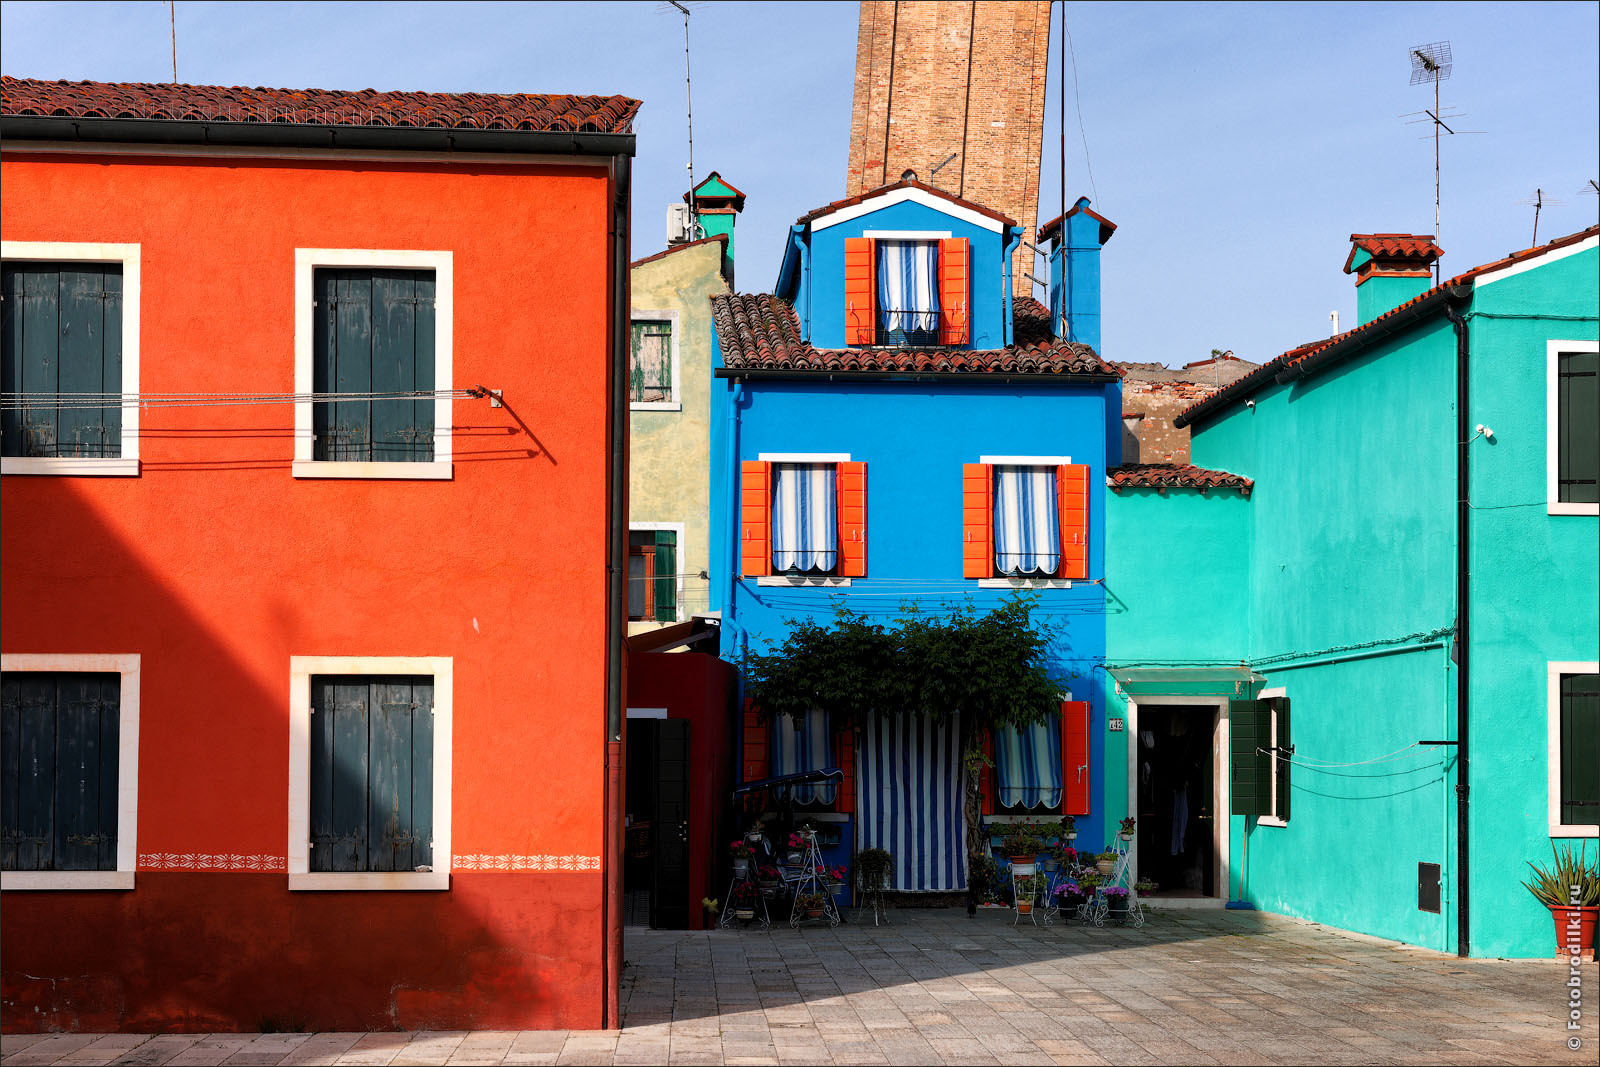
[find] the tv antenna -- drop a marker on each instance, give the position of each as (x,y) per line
(172,19)
(1539,201)
(688,89)
(1432,64)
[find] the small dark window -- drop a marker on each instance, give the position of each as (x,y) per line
(59,744)
(650,363)
(1580,749)
(374,343)
(62,365)
(1428,887)
(371,773)
(1578,427)
(653,575)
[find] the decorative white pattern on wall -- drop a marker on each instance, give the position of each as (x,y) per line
(206,861)
(527,863)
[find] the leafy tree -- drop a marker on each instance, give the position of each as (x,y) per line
(989,667)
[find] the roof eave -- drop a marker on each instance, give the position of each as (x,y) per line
(200,132)
(998,377)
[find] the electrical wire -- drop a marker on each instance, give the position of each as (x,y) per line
(1077,102)
(79,401)
(1390,757)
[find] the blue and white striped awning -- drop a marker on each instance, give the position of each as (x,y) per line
(909,774)
(803,743)
(1027,765)
(1027,523)
(805,517)
(908,284)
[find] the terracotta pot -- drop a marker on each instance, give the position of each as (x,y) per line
(813,913)
(1105,867)
(1585,919)
(1024,907)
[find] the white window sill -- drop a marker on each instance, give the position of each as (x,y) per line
(1024,583)
(327,881)
(1563,830)
(438,471)
(86,467)
(655,405)
(784,581)
(1271,820)
(66,880)
(1557,507)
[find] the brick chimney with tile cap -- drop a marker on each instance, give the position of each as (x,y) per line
(1390,269)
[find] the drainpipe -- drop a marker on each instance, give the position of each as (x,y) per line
(1452,310)
(616,599)
(731,631)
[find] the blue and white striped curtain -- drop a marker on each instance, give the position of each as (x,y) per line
(803,745)
(908,284)
(1027,525)
(1027,765)
(908,774)
(805,517)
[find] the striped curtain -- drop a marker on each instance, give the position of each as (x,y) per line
(803,745)
(909,775)
(908,284)
(1027,765)
(1027,526)
(805,517)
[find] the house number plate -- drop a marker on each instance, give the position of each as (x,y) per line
(1116,725)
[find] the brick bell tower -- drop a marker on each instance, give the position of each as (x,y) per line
(943,78)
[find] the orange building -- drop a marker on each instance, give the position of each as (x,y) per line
(314,516)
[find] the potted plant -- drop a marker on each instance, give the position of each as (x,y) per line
(1069,830)
(1144,887)
(874,867)
(1106,863)
(1051,861)
(1116,902)
(768,876)
(743,900)
(836,876)
(710,906)
(1069,896)
(1089,881)
(796,851)
(1570,888)
(1021,849)
(742,852)
(1126,833)
(811,904)
(1025,892)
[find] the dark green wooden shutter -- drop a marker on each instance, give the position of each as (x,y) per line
(1281,758)
(60,769)
(1250,784)
(1578,430)
(666,599)
(1580,750)
(374,333)
(62,335)
(371,773)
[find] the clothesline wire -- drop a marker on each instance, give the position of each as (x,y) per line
(1387,757)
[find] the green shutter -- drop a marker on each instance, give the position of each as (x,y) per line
(1281,807)
(1578,404)
(1248,726)
(374,333)
(666,599)
(1580,750)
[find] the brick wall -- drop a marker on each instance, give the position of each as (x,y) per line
(1159,394)
(936,78)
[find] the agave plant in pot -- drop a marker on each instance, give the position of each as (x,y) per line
(1570,888)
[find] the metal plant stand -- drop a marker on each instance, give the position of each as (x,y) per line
(872,896)
(1021,872)
(1122,875)
(748,878)
(811,882)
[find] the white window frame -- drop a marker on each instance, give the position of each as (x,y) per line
(1272,765)
(126,665)
(1025,583)
(678,529)
(1553,502)
(127,464)
(306,262)
(301,670)
(671,317)
(783,580)
(1556,670)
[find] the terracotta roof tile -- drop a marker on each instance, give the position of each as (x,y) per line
(904,183)
(718,238)
(759,331)
(1419,247)
(1174,476)
(531,112)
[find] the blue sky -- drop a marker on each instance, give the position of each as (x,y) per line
(1237,146)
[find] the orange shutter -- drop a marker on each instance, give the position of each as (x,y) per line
(986,776)
(853,520)
(1072,494)
(977,521)
(755,759)
(1075,757)
(860,292)
(955,285)
(755,537)
(845,798)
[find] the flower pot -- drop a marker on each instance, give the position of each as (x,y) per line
(1021,866)
(1575,931)
(1105,867)
(793,857)
(996,840)
(1024,907)
(1071,835)
(744,913)
(1126,837)
(741,868)
(1051,864)
(1118,913)
(813,913)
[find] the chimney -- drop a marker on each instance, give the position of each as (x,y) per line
(716,206)
(1390,269)
(1075,272)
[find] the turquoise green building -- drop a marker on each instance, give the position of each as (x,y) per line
(1351,654)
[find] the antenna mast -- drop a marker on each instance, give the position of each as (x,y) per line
(688,90)
(1539,201)
(1061,123)
(172,17)
(1433,63)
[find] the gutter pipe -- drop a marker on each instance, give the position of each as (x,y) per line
(1452,310)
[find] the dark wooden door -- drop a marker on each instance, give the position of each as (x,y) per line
(669,897)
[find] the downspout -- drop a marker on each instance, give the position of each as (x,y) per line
(1012,241)
(731,631)
(1452,310)
(616,570)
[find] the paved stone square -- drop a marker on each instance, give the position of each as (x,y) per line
(1191,987)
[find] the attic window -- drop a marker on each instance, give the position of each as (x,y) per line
(908,292)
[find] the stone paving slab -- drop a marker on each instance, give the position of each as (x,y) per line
(1191,987)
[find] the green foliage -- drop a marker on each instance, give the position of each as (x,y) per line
(990,667)
(1023,844)
(873,866)
(1554,885)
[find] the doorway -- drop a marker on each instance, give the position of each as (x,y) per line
(655,866)
(1176,797)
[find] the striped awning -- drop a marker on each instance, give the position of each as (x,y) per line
(1027,765)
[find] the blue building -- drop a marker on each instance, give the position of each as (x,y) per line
(894,425)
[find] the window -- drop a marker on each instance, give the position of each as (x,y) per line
(1025,521)
(69,734)
(906,288)
(653,575)
(369,773)
(373,328)
(804,743)
(1261,745)
(803,518)
(1574,773)
(1027,769)
(653,362)
(1574,427)
(70,358)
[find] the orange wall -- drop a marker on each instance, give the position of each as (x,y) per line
(216,565)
